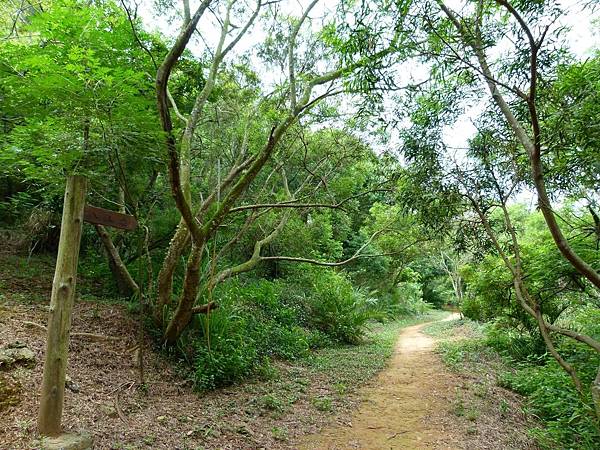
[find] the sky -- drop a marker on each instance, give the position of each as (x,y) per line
(582,38)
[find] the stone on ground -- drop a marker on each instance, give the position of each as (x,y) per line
(14,353)
(81,441)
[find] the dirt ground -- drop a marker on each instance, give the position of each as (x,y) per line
(410,406)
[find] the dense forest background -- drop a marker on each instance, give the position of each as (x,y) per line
(290,176)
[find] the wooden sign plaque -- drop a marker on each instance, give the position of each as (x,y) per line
(109,218)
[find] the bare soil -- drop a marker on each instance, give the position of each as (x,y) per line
(409,405)
(413,405)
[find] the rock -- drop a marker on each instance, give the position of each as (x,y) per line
(17,344)
(109,410)
(71,385)
(13,355)
(81,441)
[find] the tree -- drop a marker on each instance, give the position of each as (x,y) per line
(520,87)
(62,113)
(303,89)
(529,130)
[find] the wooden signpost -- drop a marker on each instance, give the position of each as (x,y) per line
(63,295)
(109,218)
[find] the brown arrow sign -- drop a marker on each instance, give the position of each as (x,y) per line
(109,218)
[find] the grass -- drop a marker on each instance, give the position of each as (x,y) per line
(466,351)
(324,404)
(463,327)
(465,348)
(325,380)
(279,433)
(351,365)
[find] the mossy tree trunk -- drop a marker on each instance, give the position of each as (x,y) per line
(61,305)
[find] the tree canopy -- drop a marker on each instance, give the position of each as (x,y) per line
(290,168)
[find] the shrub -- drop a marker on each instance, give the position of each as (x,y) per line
(336,308)
(568,420)
(230,357)
(240,338)
(407,300)
(517,345)
(259,320)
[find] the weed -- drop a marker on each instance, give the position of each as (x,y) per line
(472,414)
(340,389)
(149,440)
(481,390)
(25,426)
(459,404)
(323,404)
(272,403)
(280,433)
(268,371)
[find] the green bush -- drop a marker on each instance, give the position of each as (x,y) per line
(474,308)
(407,300)
(551,396)
(259,320)
(515,344)
(240,338)
(231,356)
(336,308)
(569,420)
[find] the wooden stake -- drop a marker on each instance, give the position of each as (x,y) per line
(61,305)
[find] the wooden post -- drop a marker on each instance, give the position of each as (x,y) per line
(61,305)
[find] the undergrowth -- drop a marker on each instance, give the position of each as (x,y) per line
(259,321)
(517,364)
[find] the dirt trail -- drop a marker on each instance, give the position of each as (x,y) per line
(397,405)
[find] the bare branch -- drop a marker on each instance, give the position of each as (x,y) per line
(291,57)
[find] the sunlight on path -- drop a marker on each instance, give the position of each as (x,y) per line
(395,406)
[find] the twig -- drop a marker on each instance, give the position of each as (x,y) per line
(396,434)
(119,410)
(92,336)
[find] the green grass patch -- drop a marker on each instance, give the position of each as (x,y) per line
(459,327)
(568,420)
(352,364)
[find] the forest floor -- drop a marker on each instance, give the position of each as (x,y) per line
(416,403)
(276,411)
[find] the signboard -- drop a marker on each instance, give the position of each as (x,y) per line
(109,218)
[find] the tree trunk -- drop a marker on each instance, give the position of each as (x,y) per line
(183,313)
(125,283)
(165,276)
(596,393)
(61,305)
